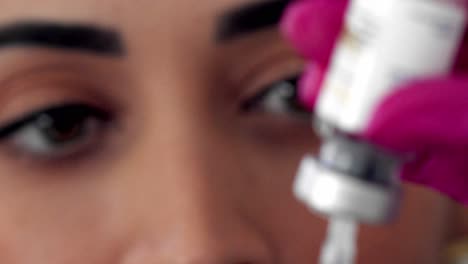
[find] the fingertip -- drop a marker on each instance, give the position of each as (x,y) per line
(422,114)
(310,85)
(295,25)
(445,173)
(312,27)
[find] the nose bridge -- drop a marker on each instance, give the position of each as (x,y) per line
(199,219)
(196,160)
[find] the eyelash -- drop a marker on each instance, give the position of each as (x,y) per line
(51,133)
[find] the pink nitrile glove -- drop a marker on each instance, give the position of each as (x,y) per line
(427,119)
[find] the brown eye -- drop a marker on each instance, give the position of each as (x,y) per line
(63,125)
(63,132)
(56,131)
(279,98)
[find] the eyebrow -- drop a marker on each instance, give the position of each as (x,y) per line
(249,19)
(73,37)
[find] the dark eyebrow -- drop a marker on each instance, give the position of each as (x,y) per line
(248,19)
(76,37)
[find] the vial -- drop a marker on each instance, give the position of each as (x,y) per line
(350,179)
(383,44)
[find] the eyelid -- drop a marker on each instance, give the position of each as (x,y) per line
(53,84)
(45,94)
(277,68)
(27,71)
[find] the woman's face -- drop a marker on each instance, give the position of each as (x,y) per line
(131,133)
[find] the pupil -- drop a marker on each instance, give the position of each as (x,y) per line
(63,132)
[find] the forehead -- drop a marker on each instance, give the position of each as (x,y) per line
(118,13)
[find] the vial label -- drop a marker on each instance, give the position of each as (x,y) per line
(385,43)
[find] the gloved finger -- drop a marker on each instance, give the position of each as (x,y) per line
(310,84)
(313,26)
(446,172)
(431,114)
(461,65)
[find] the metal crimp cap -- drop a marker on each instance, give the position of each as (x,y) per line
(350,179)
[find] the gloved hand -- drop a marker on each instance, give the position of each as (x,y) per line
(427,118)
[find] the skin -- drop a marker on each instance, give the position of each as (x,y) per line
(181,175)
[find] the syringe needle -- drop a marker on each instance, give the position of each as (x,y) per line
(340,244)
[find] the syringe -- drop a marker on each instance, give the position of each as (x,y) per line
(351,182)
